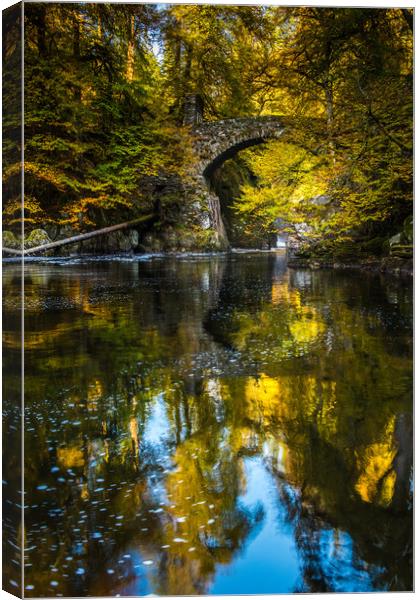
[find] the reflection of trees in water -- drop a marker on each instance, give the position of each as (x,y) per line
(241,289)
(12,465)
(324,387)
(349,454)
(325,512)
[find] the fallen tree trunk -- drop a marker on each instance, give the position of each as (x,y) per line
(13,251)
(81,237)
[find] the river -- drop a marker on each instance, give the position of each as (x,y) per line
(212,425)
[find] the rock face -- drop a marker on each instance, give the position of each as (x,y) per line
(37,237)
(112,243)
(401,244)
(10,240)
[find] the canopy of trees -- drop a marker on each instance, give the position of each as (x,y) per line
(104,92)
(349,170)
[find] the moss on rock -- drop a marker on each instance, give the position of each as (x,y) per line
(10,240)
(37,237)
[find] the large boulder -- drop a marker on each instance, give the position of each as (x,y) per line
(10,240)
(401,244)
(408,230)
(37,237)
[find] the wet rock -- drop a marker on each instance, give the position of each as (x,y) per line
(314,265)
(170,239)
(37,237)
(10,240)
(151,243)
(134,238)
(408,230)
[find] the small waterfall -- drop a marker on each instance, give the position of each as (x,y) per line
(281,241)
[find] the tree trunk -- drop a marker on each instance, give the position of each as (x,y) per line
(81,237)
(41,30)
(187,71)
(76,51)
(130,50)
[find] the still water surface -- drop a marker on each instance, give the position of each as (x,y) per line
(214,425)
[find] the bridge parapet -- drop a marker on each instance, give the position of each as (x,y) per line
(216,141)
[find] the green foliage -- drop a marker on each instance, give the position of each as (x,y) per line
(105,86)
(351,71)
(93,129)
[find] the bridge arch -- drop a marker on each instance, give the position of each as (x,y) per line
(231,152)
(217,141)
(214,142)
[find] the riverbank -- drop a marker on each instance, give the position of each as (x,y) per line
(388,264)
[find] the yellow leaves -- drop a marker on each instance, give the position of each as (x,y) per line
(387,489)
(81,212)
(12,170)
(264,392)
(290,177)
(307,328)
(282,293)
(94,394)
(45,173)
(377,479)
(70,456)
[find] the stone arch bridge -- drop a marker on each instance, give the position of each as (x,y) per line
(217,141)
(214,142)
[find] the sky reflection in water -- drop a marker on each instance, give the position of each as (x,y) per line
(215,425)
